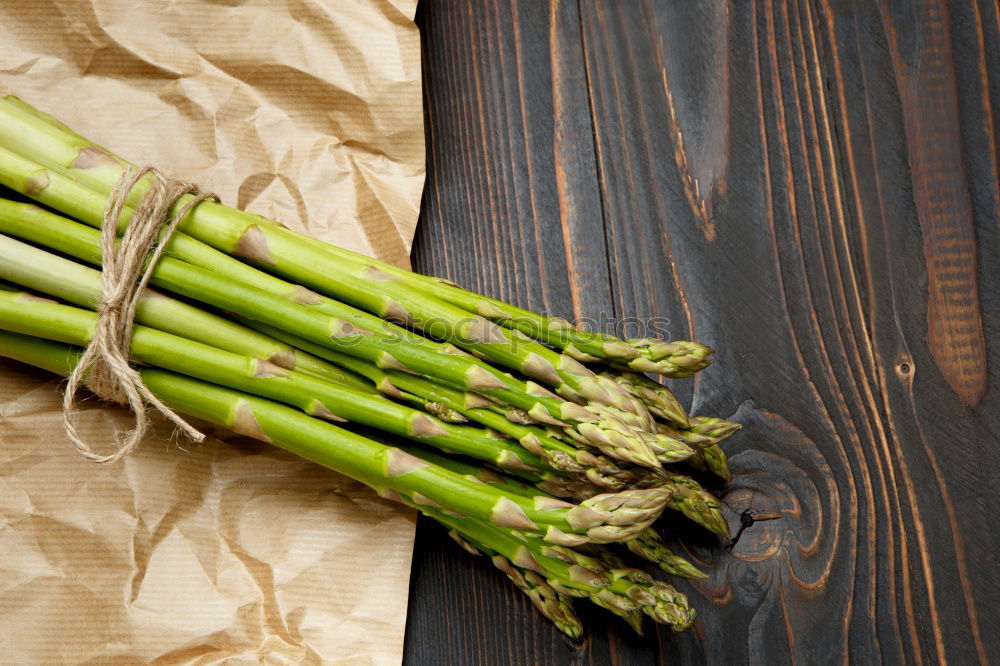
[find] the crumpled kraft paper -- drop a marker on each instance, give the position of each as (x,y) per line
(230,551)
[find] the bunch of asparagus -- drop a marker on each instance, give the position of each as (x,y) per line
(540,445)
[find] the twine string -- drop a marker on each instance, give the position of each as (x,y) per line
(126,269)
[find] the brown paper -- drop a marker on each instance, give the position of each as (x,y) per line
(307,111)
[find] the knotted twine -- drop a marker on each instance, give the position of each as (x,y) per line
(126,269)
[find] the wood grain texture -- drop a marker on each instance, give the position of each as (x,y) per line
(811,188)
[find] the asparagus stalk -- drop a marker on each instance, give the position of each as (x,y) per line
(355,354)
(39,270)
(364,288)
(601,429)
(646,545)
(471,405)
(698,504)
(712,459)
(677,358)
(510,481)
(31,132)
(672,359)
(44,272)
(435,491)
(704,436)
(601,519)
(26,314)
(658,399)
(649,547)
(557,453)
(577,575)
(704,431)
(28,266)
(27,132)
(79,202)
(567,572)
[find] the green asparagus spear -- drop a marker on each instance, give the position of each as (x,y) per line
(601,519)
(602,429)
(23,313)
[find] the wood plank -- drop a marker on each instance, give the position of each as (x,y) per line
(808,186)
(804,245)
(511,209)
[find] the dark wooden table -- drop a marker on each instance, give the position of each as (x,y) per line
(811,188)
